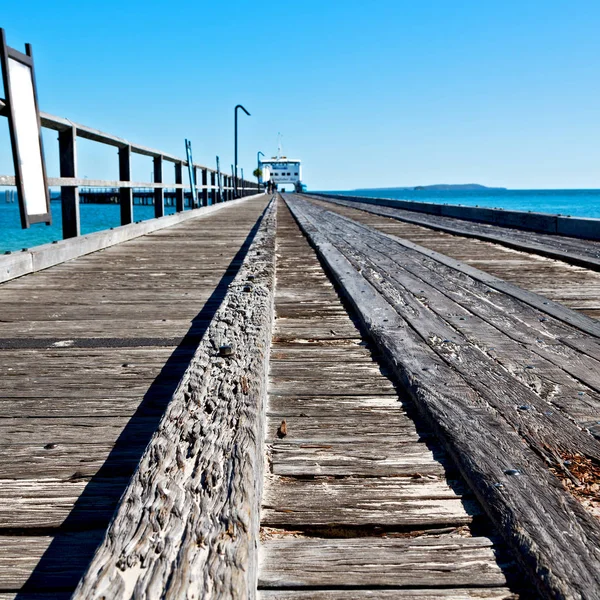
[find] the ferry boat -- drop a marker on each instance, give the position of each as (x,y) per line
(282,170)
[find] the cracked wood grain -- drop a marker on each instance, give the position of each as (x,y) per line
(524,499)
(187,525)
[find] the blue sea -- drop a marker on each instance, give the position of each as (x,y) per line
(94,217)
(575,203)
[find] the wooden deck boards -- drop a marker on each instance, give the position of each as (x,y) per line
(90,352)
(574,286)
(354,474)
(469,371)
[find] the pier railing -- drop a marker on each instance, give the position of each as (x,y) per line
(209,190)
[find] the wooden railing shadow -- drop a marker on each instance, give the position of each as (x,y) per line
(67,557)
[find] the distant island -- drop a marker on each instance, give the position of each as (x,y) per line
(440,187)
(461,187)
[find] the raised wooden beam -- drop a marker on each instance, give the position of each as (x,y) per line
(555,538)
(187,525)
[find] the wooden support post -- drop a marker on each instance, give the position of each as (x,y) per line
(179,194)
(69,196)
(125,193)
(204,188)
(159,193)
(194,190)
(213,191)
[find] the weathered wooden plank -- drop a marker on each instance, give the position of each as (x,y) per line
(204,463)
(533,299)
(20,563)
(547,430)
(68,461)
(73,430)
(382,458)
(385,562)
(48,503)
(495,593)
(523,497)
(340,426)
(572,250)
(426,311)
(384,503)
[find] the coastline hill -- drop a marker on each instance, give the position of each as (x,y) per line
(440,187)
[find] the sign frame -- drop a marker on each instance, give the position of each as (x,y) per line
(6,54)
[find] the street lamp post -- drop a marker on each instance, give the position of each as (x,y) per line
(236,144)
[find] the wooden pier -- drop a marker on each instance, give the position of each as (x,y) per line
(304,398)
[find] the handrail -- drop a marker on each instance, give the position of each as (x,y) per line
(207,192)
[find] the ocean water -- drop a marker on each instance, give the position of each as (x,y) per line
(94,217)
(575,203)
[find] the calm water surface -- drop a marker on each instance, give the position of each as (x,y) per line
(94,217)
(576,203)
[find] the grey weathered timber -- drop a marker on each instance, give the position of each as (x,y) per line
(495,593)
(390,502)
(48,255)
(556,236)
(47,503)
(382,458)
(353,466)
(81,396)
(554,309)
(384,562)
(577,287)
(204,464)
(427,312)
(526,501)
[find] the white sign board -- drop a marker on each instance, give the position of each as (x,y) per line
(24,125)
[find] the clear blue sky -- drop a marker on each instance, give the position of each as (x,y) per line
(386,93)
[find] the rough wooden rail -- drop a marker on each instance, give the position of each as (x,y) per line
(187,525)
(506,449)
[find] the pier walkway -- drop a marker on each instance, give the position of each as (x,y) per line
(297,398)
(90,353)
(563,269)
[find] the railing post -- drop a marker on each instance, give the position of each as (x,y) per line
(179,192)
(213,191)
(69,195)
(159,193)
(125,193)
(204,188)
(194,190)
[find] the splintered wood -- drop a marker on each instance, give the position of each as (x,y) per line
(495,378)
(187,525)
(91,352)
(561,268)
(357,497)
